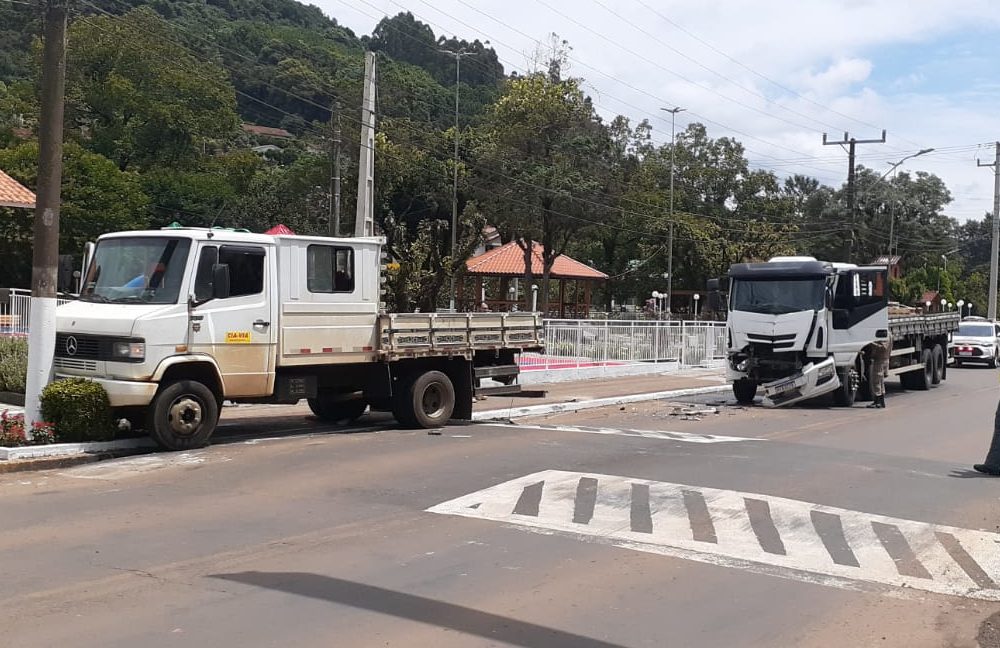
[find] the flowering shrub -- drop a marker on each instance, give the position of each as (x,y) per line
(12,431)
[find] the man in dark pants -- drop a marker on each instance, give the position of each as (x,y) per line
(992,464)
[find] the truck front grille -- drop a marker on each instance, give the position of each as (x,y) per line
(74,364)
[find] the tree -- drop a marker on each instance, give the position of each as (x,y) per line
(96,198)
(138,97)
(541,150)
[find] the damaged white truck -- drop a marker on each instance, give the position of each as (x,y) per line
(799,328)
(174,322)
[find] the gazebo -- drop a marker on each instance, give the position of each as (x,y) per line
(496,275)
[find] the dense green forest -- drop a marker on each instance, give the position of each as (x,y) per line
(157,92)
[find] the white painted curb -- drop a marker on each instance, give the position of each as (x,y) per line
(67,449)
(552,408)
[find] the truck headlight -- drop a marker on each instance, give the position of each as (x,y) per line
(826,372)
(128,351)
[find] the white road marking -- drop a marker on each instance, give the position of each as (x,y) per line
(134,466)
(773,535)
(685,437)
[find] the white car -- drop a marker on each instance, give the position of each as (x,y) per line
(977,340)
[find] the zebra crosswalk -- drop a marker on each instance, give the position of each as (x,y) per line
(775,535)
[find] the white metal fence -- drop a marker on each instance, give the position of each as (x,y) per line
(592,349)
(15,311)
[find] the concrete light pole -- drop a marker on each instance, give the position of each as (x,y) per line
(670,238)
(454,187)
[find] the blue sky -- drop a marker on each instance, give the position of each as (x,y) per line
(774,74)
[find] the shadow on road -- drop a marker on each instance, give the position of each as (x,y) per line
(970,474)
(416,608)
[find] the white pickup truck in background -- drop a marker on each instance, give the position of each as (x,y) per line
(175,321)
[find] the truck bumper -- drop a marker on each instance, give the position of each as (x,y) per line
(814,380)
(125,393)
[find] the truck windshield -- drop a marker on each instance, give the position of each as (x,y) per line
(136,271)
(777,296)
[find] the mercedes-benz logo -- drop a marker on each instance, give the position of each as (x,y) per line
(71,346)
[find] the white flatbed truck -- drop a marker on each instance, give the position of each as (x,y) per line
(174,322)
(799,328)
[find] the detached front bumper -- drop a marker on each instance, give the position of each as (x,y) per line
(814,380)
(124,393)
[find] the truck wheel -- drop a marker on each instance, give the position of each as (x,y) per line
(183,415)
(744,391)
(330,410)
(845,395)
(921,380)
(425,401)
(937,357)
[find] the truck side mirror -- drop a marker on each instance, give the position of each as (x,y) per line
(220,281)
(714,300)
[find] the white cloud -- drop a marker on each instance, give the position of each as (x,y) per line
(831,54)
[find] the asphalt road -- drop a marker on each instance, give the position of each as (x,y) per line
(638,527)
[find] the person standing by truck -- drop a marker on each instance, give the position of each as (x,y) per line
(881,351)
(992,464)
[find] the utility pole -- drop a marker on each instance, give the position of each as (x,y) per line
(670,237)
(852,143)
(995,248)
(364,223)
(334,220)
(454,178)
(45,255)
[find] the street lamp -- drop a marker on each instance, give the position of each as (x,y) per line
(670,238)
(961,307)
(944,304)
(656,295)
(696,298)
(454,187)
(892,213)
(927,306)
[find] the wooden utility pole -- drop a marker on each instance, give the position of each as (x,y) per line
(995,248)
(851,189)
(45,254)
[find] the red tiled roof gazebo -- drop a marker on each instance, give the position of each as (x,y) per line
(500,266)
(14,194)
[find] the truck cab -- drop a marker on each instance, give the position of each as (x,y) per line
(797,327)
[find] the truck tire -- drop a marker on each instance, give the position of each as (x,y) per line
(330,410)
(920,380)
(937,356)
(847,393)
(183,415)
(744,391)
(425,401)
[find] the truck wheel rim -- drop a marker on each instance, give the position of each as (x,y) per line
(184,415)
(432,401)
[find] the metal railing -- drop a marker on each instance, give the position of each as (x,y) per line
(598,348)
(15,311)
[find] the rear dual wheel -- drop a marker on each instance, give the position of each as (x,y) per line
(424,400)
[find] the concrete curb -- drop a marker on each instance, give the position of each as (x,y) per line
(70,449)
(553,408)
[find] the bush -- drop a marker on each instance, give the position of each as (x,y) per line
(79,409)
(13,364)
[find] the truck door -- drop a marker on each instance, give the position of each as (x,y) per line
(861,306)
(239,329)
